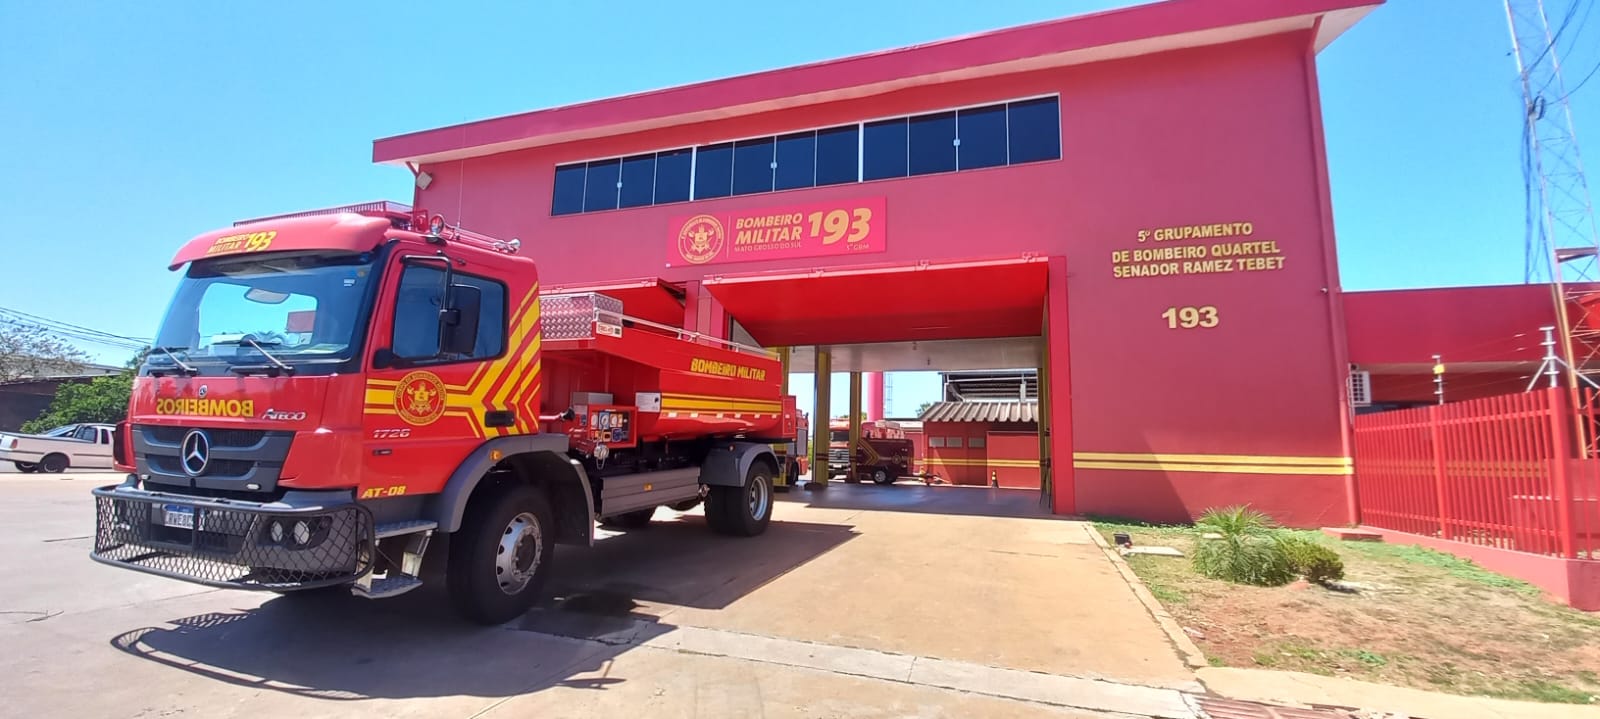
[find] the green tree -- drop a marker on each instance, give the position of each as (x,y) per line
(102,399)
(30,351)
(923,408)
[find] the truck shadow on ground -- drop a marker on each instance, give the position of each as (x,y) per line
(910,495)
(603,601)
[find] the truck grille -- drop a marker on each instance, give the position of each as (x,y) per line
(838,456)
(230,545)
(240,459)
(237,438)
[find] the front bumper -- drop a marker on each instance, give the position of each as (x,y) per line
(230,543)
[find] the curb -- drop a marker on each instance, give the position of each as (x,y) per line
(1192,656)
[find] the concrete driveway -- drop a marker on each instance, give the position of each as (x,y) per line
(865,601)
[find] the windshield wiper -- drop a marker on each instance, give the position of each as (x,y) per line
(259,347)
(183,367)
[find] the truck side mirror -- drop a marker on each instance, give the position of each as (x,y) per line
(458,320)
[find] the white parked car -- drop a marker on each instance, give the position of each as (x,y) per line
(81,446)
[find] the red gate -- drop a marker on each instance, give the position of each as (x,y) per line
(1499,471)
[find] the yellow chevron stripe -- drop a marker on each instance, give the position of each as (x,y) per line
(1213,459)
(1212,468)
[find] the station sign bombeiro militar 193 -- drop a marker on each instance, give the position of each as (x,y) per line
(838,227)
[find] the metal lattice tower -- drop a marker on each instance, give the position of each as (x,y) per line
(1565,249)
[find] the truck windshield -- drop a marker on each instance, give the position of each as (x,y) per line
(839,435)
(302,308)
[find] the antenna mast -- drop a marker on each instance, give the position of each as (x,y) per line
(1565,247)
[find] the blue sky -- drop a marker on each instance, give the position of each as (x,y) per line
(130,127)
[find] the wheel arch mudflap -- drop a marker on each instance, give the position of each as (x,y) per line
(537,456)
(728,463)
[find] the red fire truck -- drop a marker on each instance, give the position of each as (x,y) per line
(882,454)
(329,391)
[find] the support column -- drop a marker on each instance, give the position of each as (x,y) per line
(823,377)
(855,425)
(1063,492)
(783,369)
(875,408)
(1046,488)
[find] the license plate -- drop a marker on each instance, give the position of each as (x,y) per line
(177,515)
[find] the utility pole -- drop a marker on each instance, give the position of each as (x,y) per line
(1565,247)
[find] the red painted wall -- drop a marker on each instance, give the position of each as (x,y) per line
(1463,324)
(1014,459)
(1209,135)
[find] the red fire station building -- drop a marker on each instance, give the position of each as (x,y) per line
(1133,202)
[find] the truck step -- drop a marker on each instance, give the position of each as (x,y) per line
(387,587)
(395,529)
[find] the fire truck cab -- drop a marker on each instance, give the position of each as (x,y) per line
(330,391)
(882,453)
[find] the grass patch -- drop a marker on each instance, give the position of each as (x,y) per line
(1166,594)
(1371,659)
(1540,690)
(1454,566)
(1423,619)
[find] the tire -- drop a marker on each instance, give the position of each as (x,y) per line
(637,519)
(53,463)
(742,511)
(502,555)
(880,475)
(26,467)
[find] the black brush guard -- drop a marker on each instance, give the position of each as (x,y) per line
(230,543)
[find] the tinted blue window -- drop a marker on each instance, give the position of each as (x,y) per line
(638,180)
(672,175)
(884,149)
(600,190)
(838,155)
(983,137)
(752,166)
(568,197)
(797,161)
(1035,130)
(713,171)
(933,143)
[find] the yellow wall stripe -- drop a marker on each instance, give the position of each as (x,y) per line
(1218,468)
(1213,459)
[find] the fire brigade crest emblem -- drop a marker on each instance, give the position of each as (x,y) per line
(700,240)
(420,398)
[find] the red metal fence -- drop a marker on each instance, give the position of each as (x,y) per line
(1501,471)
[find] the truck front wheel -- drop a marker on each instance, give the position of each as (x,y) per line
(500,559)
(742,511)
(880,475)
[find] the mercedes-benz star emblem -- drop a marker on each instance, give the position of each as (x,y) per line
(203,390)
(196,452)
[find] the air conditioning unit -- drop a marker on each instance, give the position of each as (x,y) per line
(1360,387)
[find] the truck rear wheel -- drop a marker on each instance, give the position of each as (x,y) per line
(501,557)
(26,467)
(742,511)
(54,463)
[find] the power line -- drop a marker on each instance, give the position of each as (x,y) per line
(45,321)
(72,331)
